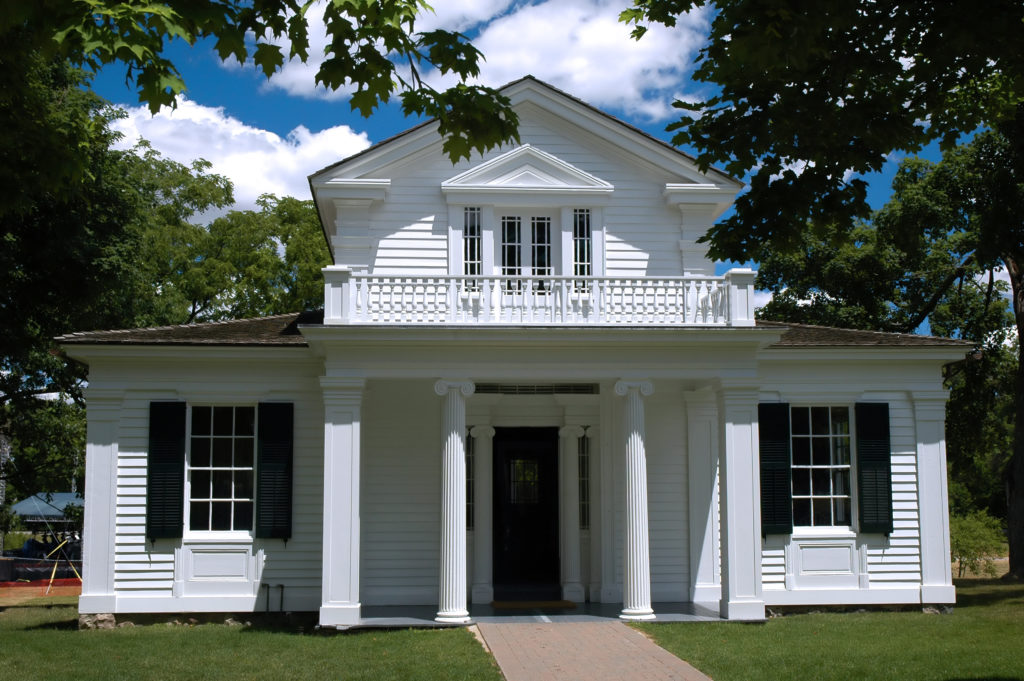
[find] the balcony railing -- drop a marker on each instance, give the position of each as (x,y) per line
(358,298)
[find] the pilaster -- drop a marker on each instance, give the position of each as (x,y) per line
(933,497)
(702,460)
(483,491)
(340,606)
(569,475)
(739,503)
(636,587)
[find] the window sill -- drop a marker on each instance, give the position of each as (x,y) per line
(218,538)
(824,533)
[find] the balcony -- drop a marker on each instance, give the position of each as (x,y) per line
(691,301)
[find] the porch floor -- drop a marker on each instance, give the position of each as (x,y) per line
(385,616)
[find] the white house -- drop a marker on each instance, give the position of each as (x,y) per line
(527,383)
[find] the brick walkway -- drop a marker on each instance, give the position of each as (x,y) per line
(594,651)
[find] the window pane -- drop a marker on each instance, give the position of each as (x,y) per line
(841,451)
(221,484)
(801,481)
(200,451)
(200,484)
(840,421)
(220,516)
(200,420)
(841,508)
(822,512)
(801,451)
(245,421)
(199,515)
(820,482)
(222,452)
(819,421)
(243,453)
(822,451)
(799,422)
(243,515)
(223,420)
(801,511)
(841,482)
(243,484)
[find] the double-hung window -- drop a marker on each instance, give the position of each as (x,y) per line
(220,467)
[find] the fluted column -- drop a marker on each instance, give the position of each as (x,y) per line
(569,475)
(636,588)
(483,490)
(453,588)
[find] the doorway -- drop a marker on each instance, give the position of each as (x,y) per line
(526,555)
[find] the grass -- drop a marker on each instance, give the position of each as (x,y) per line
(40,640)
(980,639)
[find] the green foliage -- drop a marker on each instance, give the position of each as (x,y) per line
(976,539)
(372,46)
(809,93)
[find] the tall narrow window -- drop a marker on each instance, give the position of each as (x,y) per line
(584,459)
(582,243)
(472,243)
(511,250)
(541,233)
(220,468)
(821,465)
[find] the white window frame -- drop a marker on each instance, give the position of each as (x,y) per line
(190,470)
(833,438)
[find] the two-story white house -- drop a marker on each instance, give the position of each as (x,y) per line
(527,383)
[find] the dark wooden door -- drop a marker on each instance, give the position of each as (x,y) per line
(526,564)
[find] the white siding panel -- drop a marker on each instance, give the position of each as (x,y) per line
(667,490)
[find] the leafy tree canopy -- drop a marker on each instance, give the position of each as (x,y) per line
(373,51)
(809,95)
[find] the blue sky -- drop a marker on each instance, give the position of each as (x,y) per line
(267,136)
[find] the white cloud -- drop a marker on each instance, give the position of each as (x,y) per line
(579,46)
(762,298)
(257,161)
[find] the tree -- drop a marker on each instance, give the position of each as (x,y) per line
(809,97)
(374,51)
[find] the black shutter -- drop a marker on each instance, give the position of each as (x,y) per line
(874,468)
(274,471)
(165,476)
(774,449)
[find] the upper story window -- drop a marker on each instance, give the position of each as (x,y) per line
(582,243)
(472,242)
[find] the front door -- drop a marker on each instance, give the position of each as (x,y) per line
(526,565)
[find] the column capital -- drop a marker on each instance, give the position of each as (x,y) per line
(930,405)
(623,387)
(592,432)
(482,431)
(571,431)
(443,387)
(342,385)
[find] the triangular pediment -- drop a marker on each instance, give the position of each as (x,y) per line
(526,168)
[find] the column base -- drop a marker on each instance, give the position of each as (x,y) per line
(938,594)
(574,593)
(637,614)
(482,593)
(751,611)
(92,604)
(707,593)
(453,617)
(346,615)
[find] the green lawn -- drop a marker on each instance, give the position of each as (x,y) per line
(983,638)
(43,642)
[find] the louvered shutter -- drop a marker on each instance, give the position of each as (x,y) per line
(774,449)
(274,470)
(874,467)
(165,471)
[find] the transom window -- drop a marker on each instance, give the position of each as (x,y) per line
(820,439)
(220,468)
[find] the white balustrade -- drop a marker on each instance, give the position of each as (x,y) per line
(359,298)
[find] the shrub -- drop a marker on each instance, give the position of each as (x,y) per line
(976,539)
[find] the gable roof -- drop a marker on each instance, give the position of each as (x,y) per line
(283,330)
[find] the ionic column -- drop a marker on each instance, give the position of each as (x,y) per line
(569,475)
(339,606)
(483,455)
(452,589)
(636,588)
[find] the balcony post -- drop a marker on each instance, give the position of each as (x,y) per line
(739,287)
(337,294)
